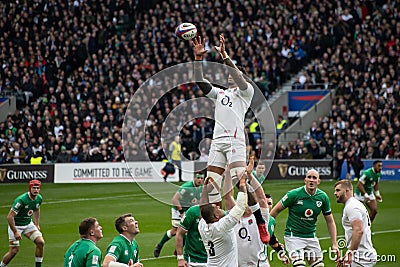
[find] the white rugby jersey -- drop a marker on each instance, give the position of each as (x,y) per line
(354,209)
(250,247)
(220,242)
(231,106)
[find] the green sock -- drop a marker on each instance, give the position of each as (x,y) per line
(164,239)
(38,264)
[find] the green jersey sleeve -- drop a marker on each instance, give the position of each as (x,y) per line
(326,205)
(288,199)
(93,258)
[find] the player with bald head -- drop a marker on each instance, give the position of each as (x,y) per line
(305,204)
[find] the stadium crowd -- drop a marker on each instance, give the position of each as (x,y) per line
(74,65)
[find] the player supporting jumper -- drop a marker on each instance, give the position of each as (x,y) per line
(357,229)
(370,180)
(217,229)
(187,195)
(229,145)
(20,223)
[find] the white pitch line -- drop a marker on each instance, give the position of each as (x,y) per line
(373,233)
(161,257)
(90,199)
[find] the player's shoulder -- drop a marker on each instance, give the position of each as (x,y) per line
(194,210)
(321,193)
(187,184)
(296,191)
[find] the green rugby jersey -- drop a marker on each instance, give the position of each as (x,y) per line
(260,179)
(194,247)
(304,210)
(190,195)
(24,207)
(83,253)
(123,250)
(369,178)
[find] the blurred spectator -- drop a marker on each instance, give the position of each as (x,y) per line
(63,156)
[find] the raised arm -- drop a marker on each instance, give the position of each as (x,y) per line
(199,50)
(236,74)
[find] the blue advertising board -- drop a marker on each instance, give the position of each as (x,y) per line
(390,169)
(304,100)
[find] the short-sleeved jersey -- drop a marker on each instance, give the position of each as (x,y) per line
(24,207)
(304,210)
(369,178)
(231,106)
(83,253)
(260,179)
(194,250)
(353,209)
(250,248)
(220,241)
(123,250)
(189,195)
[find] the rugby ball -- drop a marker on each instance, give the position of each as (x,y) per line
(186,31)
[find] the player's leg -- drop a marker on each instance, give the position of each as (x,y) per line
(313,253)
(13,250)
(175,215)
(373,208)
(295,248)
(215,168)
(33,233)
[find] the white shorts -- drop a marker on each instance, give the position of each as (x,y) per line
(23,230)
(197,264)
(223,151)
(175,218)
(302,248)
(363,263)
(361,198)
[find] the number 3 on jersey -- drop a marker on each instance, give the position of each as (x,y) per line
(211,250)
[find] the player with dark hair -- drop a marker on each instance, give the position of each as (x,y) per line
(367,189)
(357,228)
(84,251)
(228,147)
(187,196)
(20,223)
(123,251)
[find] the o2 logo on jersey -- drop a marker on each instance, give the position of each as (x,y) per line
(308,213)
(30,212)
(226,101)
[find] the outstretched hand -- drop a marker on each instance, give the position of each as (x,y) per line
(221,47)
(199,46)
(250,167)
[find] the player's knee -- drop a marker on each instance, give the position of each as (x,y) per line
(298,263)
(14,249)
(235,173)
(35,235)
(318,263)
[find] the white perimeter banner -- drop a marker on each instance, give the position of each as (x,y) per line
(117,172)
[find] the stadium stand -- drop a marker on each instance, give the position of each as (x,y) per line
(73,67)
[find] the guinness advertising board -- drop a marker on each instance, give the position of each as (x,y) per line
(290,169)
(297,169)
(23,173)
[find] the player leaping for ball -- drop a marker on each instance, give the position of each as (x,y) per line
(229,144)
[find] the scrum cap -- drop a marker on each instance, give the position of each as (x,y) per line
(34,183)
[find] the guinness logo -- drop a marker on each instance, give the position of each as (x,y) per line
(3,173)
(283,168)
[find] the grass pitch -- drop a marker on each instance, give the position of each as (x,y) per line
(65,205)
